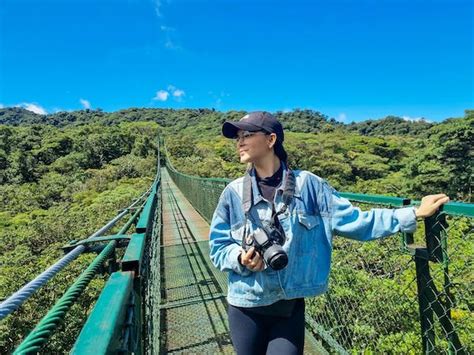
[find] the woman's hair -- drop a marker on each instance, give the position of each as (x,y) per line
(280,152)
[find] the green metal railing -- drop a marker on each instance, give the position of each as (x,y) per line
(195,188)
(115,324)
(123,319)
(410,294)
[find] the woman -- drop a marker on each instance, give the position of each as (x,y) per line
(298,212)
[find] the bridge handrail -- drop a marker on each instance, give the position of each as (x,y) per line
(47,325)
(102,331)
(41,333)
(14,301)
(434,298)
(454,208)
(115,322)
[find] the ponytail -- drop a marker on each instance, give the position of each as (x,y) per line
(280,152)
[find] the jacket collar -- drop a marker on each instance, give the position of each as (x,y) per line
(257,197)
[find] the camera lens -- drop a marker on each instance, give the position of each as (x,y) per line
(276,257)
(279,262)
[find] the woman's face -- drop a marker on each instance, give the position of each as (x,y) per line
(252,146)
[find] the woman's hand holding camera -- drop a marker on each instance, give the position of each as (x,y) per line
(252,260)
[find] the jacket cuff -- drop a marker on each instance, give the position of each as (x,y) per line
(234,260)
(406,218)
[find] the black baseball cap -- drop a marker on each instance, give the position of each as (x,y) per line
(253,122)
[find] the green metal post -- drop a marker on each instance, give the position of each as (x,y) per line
(434,225)
(426,312)
(102,331)
(430,300)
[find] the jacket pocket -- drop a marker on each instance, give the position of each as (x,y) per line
(305,234)
(308,220)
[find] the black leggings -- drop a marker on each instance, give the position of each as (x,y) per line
(263,334)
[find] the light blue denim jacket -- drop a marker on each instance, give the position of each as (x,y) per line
(316,213)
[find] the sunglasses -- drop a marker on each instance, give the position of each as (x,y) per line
(247,134)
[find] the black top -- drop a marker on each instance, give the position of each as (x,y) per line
(267,187)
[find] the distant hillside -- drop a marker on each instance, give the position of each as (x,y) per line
(209,120)
(16,116)
(390,125)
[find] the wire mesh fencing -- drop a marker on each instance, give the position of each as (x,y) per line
(151,276)
(445,276)
(401,294)
(371,303)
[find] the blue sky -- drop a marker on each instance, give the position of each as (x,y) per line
(352,60)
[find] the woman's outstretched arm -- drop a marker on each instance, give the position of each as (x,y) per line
(351,222)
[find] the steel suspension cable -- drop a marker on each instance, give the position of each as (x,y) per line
(12,303)
(41,333)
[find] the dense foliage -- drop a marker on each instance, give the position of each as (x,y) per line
(60,185)
(439,159)
(64,175)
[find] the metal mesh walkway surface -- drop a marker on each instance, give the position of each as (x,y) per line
(193,305)
(193,310)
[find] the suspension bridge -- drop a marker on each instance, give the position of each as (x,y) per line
(163,295)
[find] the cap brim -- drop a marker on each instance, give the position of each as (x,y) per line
(230,129)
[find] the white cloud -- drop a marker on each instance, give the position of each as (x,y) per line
(169,32)
(170,41)
(33,107)
(342,117)
(178,93)
(170,44)
(218,97)
(161,95)
(85,103)
(1,106)
(414,119)
(59,109)
(158,5)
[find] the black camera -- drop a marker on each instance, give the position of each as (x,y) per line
(268,242)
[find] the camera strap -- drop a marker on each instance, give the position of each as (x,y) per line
(287,197)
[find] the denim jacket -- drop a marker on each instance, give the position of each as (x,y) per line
(316,213)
